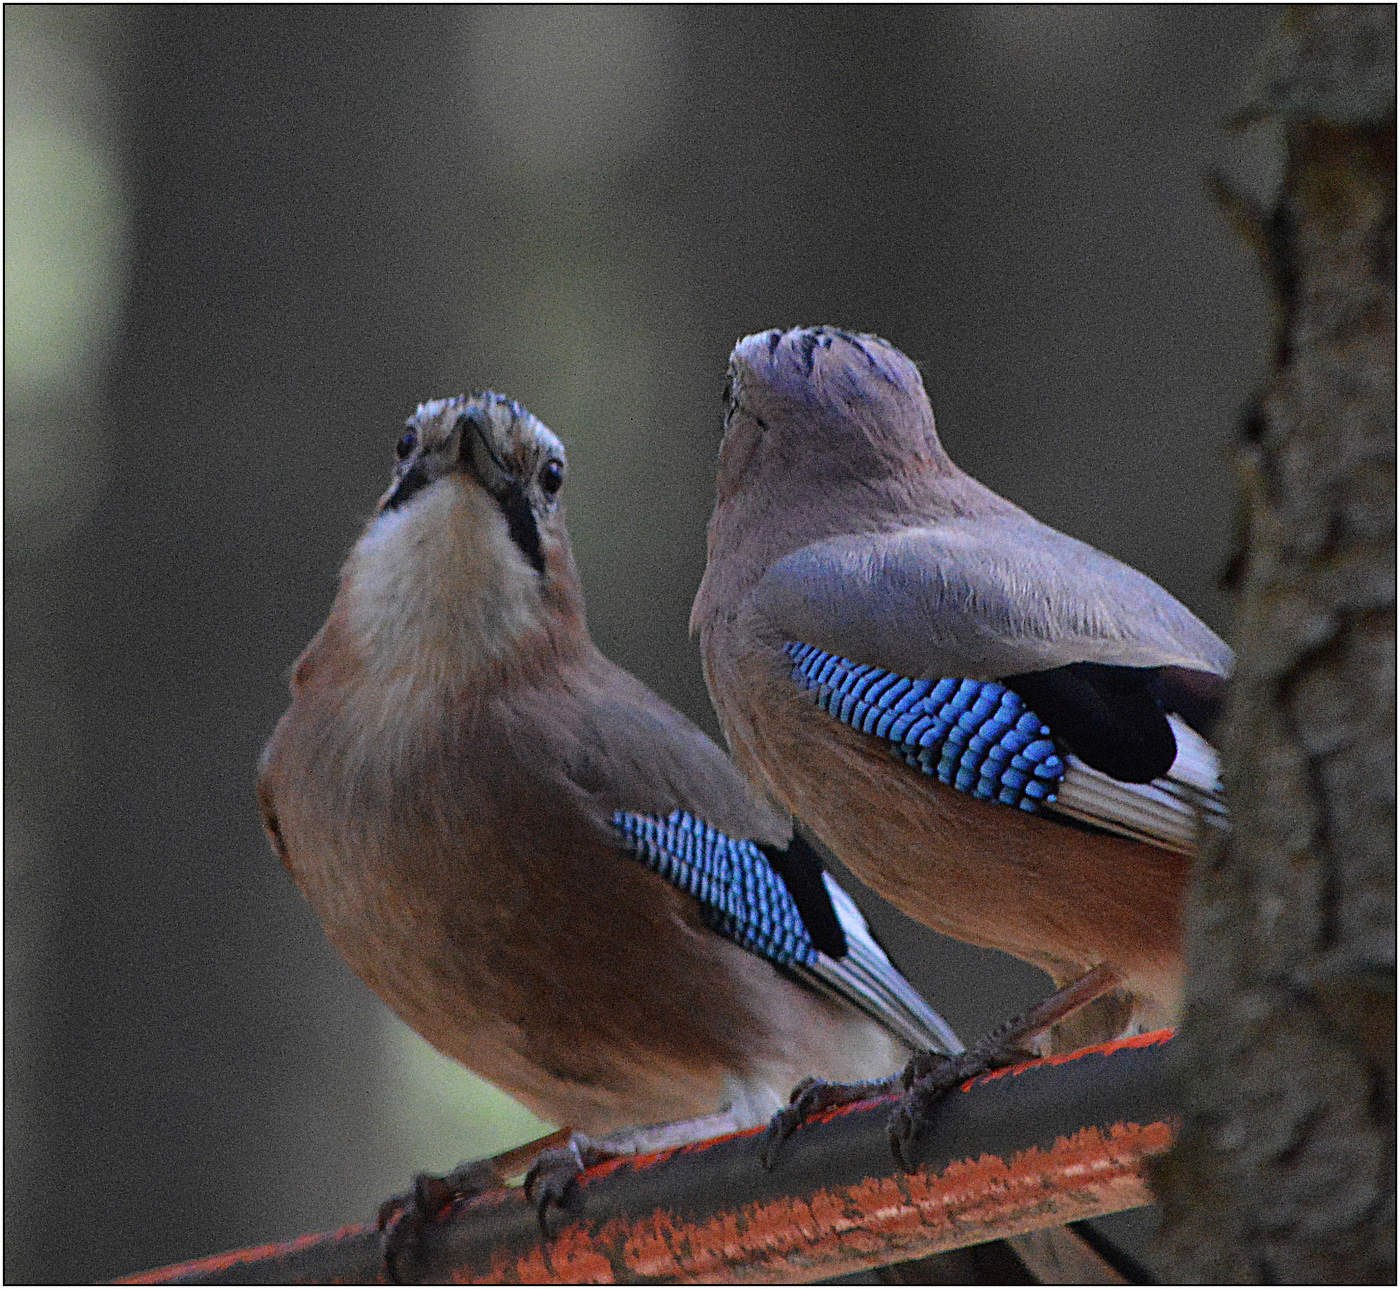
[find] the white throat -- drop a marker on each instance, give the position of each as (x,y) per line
(437,589)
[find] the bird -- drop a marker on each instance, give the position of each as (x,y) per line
(554,877)
(1002,730)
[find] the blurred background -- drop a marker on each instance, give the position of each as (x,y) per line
(242,243)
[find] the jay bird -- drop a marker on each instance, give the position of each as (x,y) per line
(550,874)
(999,728)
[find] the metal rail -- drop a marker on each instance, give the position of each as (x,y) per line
(1037,1145)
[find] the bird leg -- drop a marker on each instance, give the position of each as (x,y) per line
(551,1166)
(402,1219)
(931,1076)
(811,1097)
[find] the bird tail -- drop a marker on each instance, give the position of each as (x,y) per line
(1170,812)
(865,976)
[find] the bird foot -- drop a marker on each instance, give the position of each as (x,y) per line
(552,1181)
(808,1098)
(402,1219)
(930,1077)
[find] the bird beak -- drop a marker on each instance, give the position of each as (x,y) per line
(481,455)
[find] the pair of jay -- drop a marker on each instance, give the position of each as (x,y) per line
(535,861)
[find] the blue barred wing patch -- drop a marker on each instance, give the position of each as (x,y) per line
(739,893)
(974,735)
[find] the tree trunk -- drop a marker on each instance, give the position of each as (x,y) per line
(1285,1169)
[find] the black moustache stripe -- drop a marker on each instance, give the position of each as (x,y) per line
(414,479)
(520,519)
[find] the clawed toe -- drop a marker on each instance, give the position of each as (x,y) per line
(402,1219)
(930,1077)
(552,1181)
(783,1124)
(810,1097)
(914,1111)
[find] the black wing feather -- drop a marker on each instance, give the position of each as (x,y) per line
(1111,718)
(801,869)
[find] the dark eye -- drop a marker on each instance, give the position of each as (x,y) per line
(408,440)
(552,476)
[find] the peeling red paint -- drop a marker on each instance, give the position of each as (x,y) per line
(969,1201)
(821,1231)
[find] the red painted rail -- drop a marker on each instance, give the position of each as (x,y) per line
(1038,1145)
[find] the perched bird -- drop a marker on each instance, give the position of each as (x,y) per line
(999,728)
(551,875)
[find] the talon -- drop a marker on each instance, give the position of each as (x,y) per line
(809,1098)
(899,1131)
(402,1219)
(800,1106)
(914,1110)
(805,1086)
(552,1181)
(388,1211)
(780,1127)
(930,1077)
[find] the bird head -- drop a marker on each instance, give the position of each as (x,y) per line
(488,442)
(825,432)
(823,402)
(467,554)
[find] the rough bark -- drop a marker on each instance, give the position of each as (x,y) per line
(1285,1170)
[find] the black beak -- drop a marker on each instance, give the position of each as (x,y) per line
(478,456)
(501,482)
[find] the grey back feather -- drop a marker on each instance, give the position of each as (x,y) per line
(984,597)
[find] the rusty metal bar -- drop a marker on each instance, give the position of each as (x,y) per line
(1038,1145)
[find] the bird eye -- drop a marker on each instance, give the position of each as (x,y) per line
(408,440)
(552,476)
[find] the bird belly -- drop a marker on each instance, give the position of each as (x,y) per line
(555,965)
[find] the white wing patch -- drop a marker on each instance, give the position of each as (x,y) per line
(867,979)
(1170,812)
